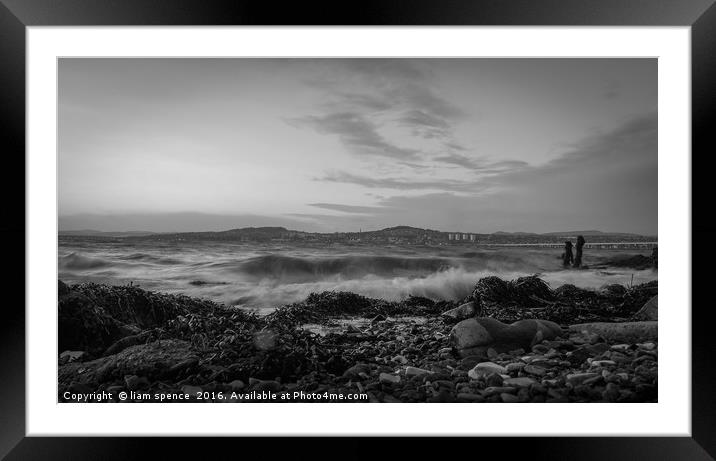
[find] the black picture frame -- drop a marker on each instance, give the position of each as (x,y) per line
(16,15)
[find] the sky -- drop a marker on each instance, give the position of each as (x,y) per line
(470,145)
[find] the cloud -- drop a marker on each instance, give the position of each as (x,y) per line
(401,184)
(460,160)
(348,208)
(358,134)
(481,165)
(360,101)
(425,125)
(608,181)
(374,96)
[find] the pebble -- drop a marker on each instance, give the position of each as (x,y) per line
(470,397)
(389,378)
(602,363)
(499,390)
(514,367)
(414,371)
(522,381)
(494,380)
(578,378)
(134,382)
(237,385)
(72,356)
(191,390)
(611,392)
(486,368)
(533,370)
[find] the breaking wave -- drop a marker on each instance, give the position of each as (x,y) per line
(266,277)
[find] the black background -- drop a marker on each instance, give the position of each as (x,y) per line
(15,15)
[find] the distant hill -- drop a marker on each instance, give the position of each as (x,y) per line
(95,233)
(390,235)
(589,232)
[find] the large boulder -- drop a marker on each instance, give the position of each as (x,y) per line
(154,360)
(650,310)
(474,336)
(469,333)
(624,332)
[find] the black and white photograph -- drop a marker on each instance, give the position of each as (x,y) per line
(357,230)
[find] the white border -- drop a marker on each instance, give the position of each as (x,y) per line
(671,416)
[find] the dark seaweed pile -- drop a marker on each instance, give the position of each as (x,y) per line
(531,297)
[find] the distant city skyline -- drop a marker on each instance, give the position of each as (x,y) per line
(324,145)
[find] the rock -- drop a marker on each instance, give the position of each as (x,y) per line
(152,360)
(470,397)
(514,367)
(236,385)
(264,385)
(499,390)
(649,311)
(356,370)
(414,371)
(494,380)
(611,393)
(602,363)
(578,378)
(485,368)
(470,361)
(469,333)
(625,332)
(265,340)
(648,346)
(127,341)
(191,390)
(378,318)
(522,381)
(134,382)
(534,370)
(399,359)
(72,356)
(475,336)
(388,378)
(184,366)
(462,312)
(509,398)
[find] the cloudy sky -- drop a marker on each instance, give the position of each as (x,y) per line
(475,145)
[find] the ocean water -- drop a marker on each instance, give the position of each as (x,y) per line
(267,276)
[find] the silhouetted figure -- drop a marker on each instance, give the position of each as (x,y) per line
(578,256)
(654,254)
(568,256)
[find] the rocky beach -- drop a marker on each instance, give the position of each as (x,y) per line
(508,341)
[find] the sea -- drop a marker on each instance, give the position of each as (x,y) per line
(265,276)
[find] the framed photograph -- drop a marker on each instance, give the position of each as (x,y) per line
(400,222)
